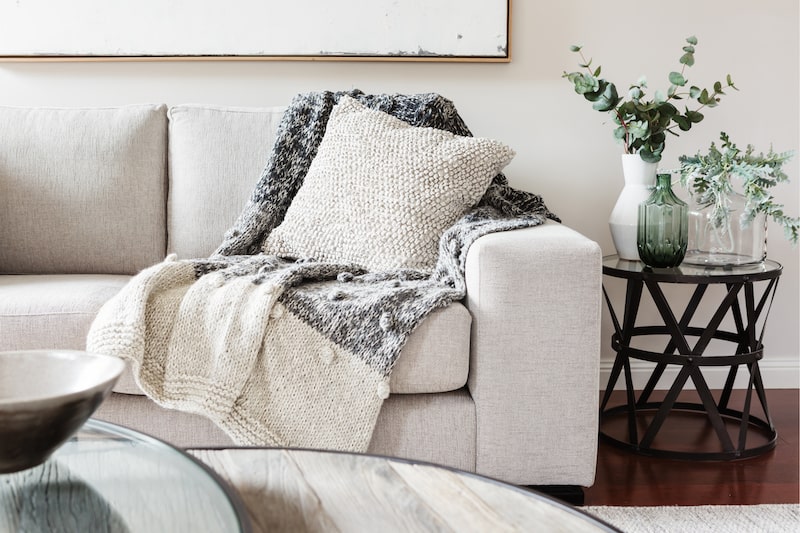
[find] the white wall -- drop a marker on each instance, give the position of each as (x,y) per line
(565,149)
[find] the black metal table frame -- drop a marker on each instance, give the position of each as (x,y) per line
(749,350)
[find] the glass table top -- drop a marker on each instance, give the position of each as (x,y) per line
(109,478)
(686,273)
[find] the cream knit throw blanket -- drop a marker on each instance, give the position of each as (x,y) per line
(292,353)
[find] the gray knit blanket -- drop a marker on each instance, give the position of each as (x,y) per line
(293,353)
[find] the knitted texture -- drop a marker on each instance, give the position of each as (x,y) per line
(297,140)
(380,192)
(293,353)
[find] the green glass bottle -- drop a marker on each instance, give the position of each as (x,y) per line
(663,230)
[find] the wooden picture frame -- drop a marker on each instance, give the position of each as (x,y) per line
(385,30)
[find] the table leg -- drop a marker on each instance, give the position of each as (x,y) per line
(711,409)
(623,336)
(664,408)
(688,313)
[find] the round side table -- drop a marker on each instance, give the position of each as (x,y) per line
(645,418)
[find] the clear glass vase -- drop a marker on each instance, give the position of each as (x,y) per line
(663,234)
(725,236)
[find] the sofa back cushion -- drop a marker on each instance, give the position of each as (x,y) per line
(216,156)
(82,190)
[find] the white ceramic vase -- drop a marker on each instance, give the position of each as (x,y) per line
(640,179)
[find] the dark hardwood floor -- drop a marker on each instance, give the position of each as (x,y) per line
(625,478)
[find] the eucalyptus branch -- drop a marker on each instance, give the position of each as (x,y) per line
(709,177)
(643,124)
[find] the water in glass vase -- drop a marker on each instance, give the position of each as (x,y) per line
(724,236)
(662,234)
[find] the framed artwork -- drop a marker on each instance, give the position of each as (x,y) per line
(427,30)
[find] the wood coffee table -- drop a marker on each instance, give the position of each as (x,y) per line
(312,490)
(110,478)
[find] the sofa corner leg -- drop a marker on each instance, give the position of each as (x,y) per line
(571,494)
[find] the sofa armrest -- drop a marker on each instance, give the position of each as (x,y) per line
(535,298)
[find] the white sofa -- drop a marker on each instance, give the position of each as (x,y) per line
(504,383)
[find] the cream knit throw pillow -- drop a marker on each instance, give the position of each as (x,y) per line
(381,192)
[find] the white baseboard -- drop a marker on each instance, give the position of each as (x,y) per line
(776,374)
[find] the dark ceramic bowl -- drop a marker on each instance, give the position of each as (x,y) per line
(45,396)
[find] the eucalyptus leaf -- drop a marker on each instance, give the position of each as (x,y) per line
(648,156)
(658,139)
(596,94)
(687,59)
(683,123)
(662,123)
(645,107)
(628,108)
(694,116)
(586,84)
(575,48)
(665,108)
(608,100)
(639,129)
(692,40)
(676,78)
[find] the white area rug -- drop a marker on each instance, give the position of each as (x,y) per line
(702,519)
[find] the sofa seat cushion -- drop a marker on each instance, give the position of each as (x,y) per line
(415,426)
(436,355)
(52,310)
(56,311)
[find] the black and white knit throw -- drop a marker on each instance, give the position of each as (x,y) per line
(286,352)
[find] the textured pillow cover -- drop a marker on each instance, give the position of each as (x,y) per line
(380,192)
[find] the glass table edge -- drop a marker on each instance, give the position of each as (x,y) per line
(613,266)
(232,496)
